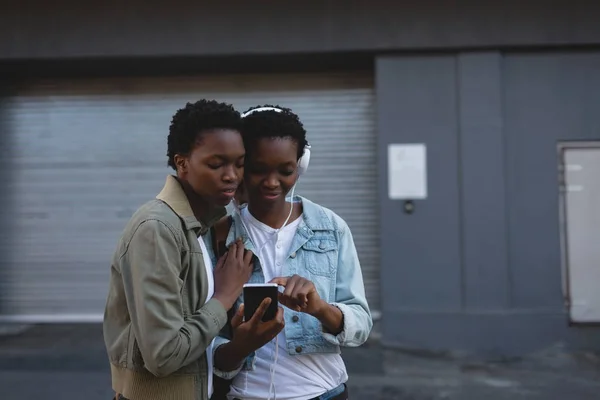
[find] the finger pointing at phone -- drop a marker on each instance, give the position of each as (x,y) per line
(299,294)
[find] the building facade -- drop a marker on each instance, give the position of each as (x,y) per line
(490,89)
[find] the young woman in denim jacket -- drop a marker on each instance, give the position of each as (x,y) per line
(309,251)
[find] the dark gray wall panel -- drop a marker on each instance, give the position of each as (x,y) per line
(548,97)
(421,251)
(36,29)
(483,193)
(477,267)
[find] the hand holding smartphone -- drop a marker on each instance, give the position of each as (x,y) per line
(254,294)
(256,324)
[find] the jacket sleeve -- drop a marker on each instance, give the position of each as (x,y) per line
(350,295)
(225,337)
(151,268)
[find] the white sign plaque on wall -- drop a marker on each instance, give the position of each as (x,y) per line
(407,171)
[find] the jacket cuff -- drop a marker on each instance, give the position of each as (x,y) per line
(215,309)
(348,330)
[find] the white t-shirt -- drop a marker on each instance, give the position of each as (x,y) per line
(211,290)
(297,377)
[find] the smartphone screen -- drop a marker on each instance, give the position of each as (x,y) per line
(255,293)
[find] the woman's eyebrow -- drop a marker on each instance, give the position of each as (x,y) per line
(225,157)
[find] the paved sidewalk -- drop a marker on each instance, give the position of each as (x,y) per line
(551,375)
(69,361)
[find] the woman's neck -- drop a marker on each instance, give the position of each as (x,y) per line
(199,206)
(274,215)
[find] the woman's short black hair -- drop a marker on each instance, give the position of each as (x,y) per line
(190,122)
(272,124)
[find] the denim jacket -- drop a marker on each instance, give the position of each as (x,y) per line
(322,251)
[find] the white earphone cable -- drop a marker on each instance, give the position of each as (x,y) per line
(272,386)
(273,365)
(237,208)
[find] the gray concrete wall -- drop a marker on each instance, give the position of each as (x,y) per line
(37,29)
(476,268)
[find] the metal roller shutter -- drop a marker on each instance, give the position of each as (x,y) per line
(84,154)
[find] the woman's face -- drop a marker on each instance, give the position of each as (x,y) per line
(271,170)
(215,166)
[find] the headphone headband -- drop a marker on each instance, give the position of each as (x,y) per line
(305,159)
(261,109)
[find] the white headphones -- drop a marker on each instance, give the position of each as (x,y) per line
(305,159)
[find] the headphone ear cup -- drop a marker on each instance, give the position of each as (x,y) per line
(304,161)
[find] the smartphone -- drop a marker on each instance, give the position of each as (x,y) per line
(254,294)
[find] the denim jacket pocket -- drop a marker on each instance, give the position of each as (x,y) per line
(321,256)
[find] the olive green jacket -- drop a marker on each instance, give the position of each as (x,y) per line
(157,325)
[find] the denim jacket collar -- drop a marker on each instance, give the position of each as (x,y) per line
(313,219)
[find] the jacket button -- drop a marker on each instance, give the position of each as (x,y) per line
(322,246)
(295,318)
(293,255)
(298,349)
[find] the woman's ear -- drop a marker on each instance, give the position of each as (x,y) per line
(181,163)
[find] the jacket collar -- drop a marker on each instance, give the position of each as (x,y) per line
(174,196)
(314,219)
